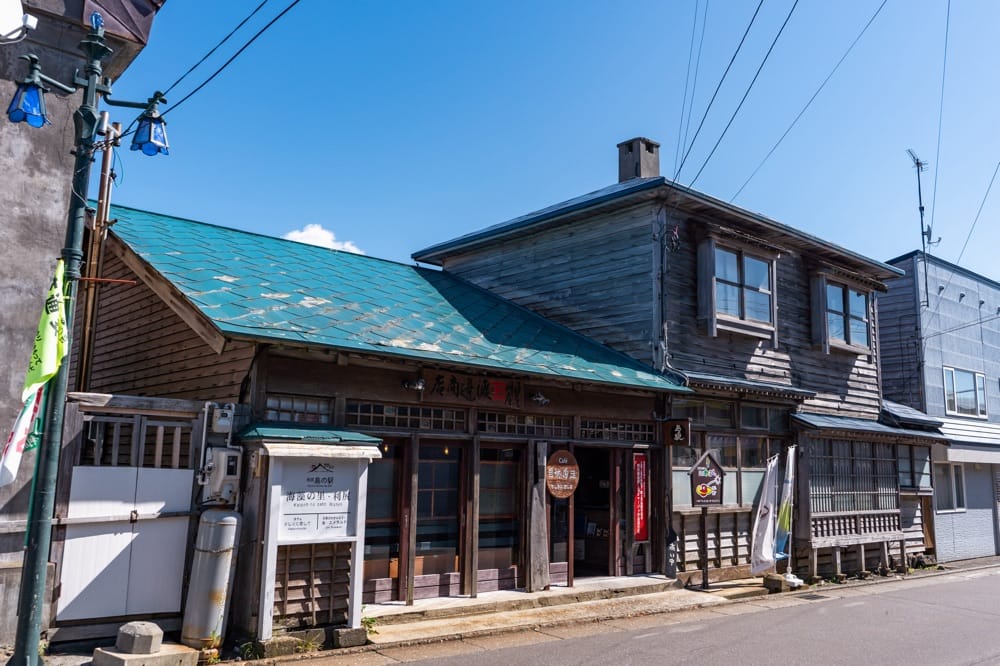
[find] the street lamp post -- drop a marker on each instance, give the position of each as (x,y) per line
(28,106)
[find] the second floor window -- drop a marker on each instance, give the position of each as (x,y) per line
(742,286)
(964,393)
(847,315)
(736,289)
(841,315)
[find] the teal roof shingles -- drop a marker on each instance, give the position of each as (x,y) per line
(306,294)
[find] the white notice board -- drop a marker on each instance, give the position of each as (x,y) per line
(315,494)
(315,503)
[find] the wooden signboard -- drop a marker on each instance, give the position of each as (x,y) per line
(462,389)
(562,474)
(677,432)
(706,490)
(706,481)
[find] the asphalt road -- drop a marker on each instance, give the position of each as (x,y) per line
(941,620)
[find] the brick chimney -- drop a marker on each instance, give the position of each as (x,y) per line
(638,158)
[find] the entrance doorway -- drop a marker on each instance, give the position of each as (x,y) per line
(438,497)
(594,528)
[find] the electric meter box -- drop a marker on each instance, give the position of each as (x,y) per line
(223,478)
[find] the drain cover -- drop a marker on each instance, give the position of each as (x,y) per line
(812,596)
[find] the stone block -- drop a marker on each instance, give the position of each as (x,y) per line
(775,583)
(139,638)
(348,637)
(169,654)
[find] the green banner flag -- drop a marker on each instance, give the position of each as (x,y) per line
(50,341)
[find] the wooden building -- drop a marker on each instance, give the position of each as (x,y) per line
(773,328)
(469,394)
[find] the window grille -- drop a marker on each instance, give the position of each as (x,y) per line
(617,431)
(558,427)
(415,417)
(852,476)
(297,409)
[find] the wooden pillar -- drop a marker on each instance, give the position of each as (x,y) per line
(903,564)
(570,550)
(861,558)
(408,537)
(470,547)
(538,544)
(615,514)
(885,555)
(836,561)
(813,563)
(659,514)
(628,482)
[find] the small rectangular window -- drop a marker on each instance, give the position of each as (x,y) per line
(742,286)
(964,393)
(840,316)
(949,491)
(753,416)
(736,291)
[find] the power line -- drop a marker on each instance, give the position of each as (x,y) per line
(811,99)
(940,295)
(745,94)
(978,213)
(234,56)
(682,143)
(687,77)
(216,47)
(937,155)
(961,326)
(714,94)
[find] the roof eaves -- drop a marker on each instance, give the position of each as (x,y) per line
(718,382)
(840,424)
(889,271)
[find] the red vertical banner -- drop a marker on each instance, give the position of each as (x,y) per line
(640,503)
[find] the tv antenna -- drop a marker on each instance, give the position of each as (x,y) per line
(925,232)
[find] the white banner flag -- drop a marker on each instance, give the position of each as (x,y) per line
(14,448)
(762,555)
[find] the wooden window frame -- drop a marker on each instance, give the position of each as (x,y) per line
(979,380)
(711,320)
(907,452)
(851,476)
(821,315)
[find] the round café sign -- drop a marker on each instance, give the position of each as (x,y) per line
(562,474)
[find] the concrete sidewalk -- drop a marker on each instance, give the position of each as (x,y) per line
(590,600)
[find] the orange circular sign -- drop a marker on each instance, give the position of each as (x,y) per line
(562,474)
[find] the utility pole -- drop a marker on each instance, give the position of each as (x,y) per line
(925,232)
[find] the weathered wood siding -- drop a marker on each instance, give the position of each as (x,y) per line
(846,384)
(899,338)
(596,276)
(142,347)
(729,541)
(599,276)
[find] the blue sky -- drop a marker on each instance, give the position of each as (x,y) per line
(398,125)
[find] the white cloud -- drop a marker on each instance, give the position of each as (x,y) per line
(315,234)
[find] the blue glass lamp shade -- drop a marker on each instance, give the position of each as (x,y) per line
(28,105)
(151,135)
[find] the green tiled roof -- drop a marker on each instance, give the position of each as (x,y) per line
(269,289)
